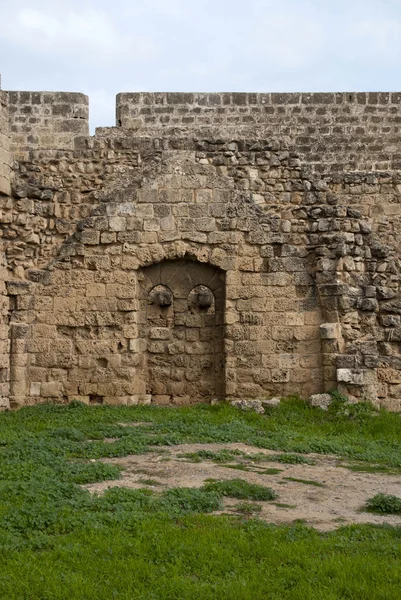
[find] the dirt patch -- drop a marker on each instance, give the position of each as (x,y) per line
(337,502)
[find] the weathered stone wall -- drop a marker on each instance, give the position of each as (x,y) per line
(5,205)
(41,120)
(83,311)
(331,132)
(291,230)
(5,157)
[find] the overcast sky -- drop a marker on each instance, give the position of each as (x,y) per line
(102,47)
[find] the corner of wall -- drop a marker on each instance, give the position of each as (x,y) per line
(46,120)
(5,157)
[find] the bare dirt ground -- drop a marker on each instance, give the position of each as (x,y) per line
(337,503)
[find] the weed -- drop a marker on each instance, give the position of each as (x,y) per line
(305,481)
(283,505)
(221,456)
(238,467)
(290,459)
(150,482)
(384,504)
(247,508)
(271,471)
(241,489)
(363,468)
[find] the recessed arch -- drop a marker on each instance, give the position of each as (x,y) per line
(184,342)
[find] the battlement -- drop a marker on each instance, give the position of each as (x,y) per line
(136,110)
(43,120)
(328,130)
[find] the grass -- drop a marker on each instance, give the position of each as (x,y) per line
(247,508)
(305,481)
(57,541)
(241,489)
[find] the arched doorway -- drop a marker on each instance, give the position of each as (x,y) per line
(182,320)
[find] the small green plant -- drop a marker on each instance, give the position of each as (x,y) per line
(247,508)
(384,504)
(291,459)
(150,482)
(221,456)
(271,471)
(237,467)
(241,489)
(361,468)
(305,481)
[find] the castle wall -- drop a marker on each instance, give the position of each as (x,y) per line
(330,131)
(5,207)
(42,120)
(299,217)
(5,157)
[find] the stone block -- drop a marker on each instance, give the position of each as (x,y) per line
(352,376)
(52,389)
(330,331)
(321,400)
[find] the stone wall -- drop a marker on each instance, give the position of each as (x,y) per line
(290,231)
(5,158)
(330,131)
(5,206)
(42,120)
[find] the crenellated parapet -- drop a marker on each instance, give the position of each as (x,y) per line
(46,120)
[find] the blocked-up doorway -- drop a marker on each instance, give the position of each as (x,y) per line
(182,320)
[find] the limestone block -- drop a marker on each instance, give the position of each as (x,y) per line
(35,388)
(280,375)
(271,403)
(389,375)
(95,289)
(352,376)
(137,346)
(52,389)
(117,223)
(321,400)
(330,331)
(249,405)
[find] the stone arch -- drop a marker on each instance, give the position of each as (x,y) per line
(183,343)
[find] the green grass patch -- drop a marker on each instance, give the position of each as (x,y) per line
(271,471)
(237,467)
(58,541)
(384,504)
(291,459)
(304,481)
(241,489)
